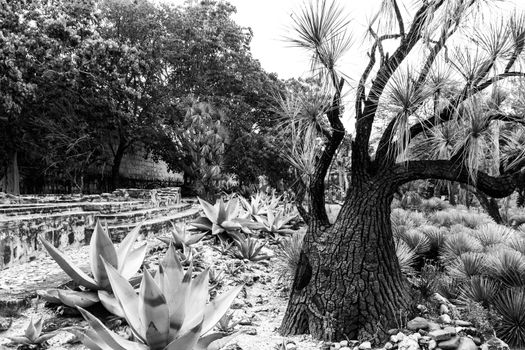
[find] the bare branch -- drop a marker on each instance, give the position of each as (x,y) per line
(399,18)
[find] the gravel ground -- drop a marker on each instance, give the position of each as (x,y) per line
(260,307)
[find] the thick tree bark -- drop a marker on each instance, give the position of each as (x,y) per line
(490,205)
(115,168)
(349,284)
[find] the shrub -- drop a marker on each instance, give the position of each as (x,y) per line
(288,253)
(467,265)
(249,248)
(459,243)
(416,240)
(510,305)
(507,266)
(479,289)
(406,257)
(433,204)
(492,234)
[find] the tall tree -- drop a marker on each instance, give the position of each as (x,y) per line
(349,282)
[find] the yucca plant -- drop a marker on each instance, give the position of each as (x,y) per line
(33,336)
(406,257)
(493,234)
(507,266)
(459,243)
(249,248)
(126,259)
(170,311)
(181,237)
(510,305)
(287,254)
(220,218)
(467,265)
(480,289)
(275,223)
(416,240)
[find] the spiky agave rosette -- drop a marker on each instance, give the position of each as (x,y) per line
(125,259)
(33,334)
(170,311)
(221,217)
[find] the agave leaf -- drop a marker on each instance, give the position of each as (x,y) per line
(74,298)
(69,268)
(133,262)
(202,223)
(20,340)
(216,229)
(94,342)
(206,340)
(128,299)
(44,337)
(165,240)
(50,295)
(172,267)
(231,225)
(126,246)
(187,341)
(111,303)
(232,209)
(221,342)
(210,212)
(222,213)
(38,326)
(192,239)
(218,307)
(30,332)
(113,340)
(196,299)
(177,302)
(101,246)
(153,312)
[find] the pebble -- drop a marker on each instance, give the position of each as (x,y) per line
(440,335)
(343,343)
(467,344)
(450,344)
(365,345)
(388,346)
(291,346)
(461,323)
(445,318)
(495,344)
(5,323)
(335,346)
(443,309)
(397,337)
(408,344)
(417,323)
(432,344)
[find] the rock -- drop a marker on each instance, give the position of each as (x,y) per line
(291,346)
(397,337)
(408,344)
(432,344)
(344,342)
(461,323)
(440,335)
(393,331)
(422,332)
(345,348)
(433,326)
(495,344)
(5,323)
(251,331)
(335,346)
(388,346)
(476,340)
(443,309)
(466,343)
(450,330)
(450,344)
(366,345)
(445,318)
(440,299)
(422,308)
(417,323)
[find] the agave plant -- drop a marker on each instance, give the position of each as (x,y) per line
(124,258)
(170,311)
(510,305)
(249,248)
(255,207)
(226,323)
(219,218)
(33,335)
(181,237)
(275,223)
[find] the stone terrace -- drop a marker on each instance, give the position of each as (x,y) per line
(68,221)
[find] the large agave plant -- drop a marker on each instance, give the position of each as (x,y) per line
(169,313)
(219,218)
(256,206)
(181,237)
(275,222)
(125,259)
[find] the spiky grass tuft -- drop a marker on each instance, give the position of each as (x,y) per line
(510,304)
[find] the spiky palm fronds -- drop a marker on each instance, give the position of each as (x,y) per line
(436,238)
(474,220)
(406,257)
(433,204)
(321,28)
(507,266)
(492,234)
(510,304)
(416,240)
(517,243)
(480,289)
(459,243)
(467,265)
(287,254)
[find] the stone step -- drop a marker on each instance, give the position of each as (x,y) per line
(137,216)
(39,209)
(155,226)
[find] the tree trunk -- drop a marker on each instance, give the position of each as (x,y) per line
(12,177)
(115,168)
(490,205)
(349,283)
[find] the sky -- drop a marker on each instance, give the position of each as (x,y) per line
(270,21)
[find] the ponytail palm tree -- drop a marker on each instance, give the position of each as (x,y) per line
(430,69)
